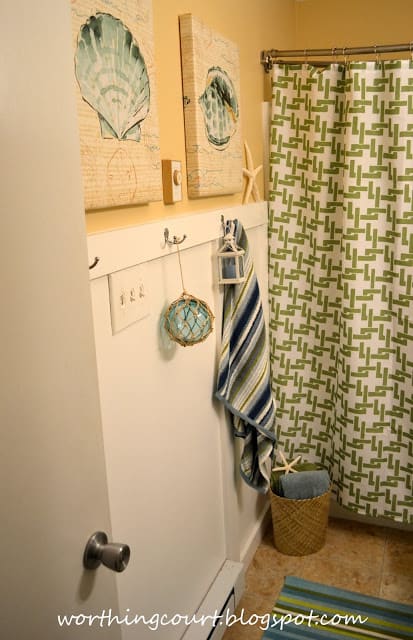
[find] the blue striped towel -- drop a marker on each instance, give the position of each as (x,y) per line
(243,383)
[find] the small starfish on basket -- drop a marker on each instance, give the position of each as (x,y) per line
(288,466)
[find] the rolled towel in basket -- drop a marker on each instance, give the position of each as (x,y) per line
(302,466)
(304,485)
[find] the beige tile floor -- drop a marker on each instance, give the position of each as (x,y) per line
(373,560)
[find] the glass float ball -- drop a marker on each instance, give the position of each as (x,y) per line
(188,320)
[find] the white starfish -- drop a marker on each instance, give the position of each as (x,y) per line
(251,175)
(288,466)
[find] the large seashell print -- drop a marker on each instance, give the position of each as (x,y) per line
(219,106)
(112,76)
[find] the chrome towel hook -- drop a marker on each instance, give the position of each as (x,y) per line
(175,239)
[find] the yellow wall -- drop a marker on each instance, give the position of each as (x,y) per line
(253,25)
(338,23)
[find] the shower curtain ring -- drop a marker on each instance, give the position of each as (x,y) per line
(411,50)
(345,56)
(268,63)
(377,54)
(305,57)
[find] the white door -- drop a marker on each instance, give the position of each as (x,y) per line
(53,493)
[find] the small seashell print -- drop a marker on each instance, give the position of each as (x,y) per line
(219,106)
(112,76)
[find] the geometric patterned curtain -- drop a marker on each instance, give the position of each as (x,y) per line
(341,277)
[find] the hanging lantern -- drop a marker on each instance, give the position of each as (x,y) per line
(230,261)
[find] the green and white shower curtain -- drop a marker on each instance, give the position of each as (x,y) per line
(341,276)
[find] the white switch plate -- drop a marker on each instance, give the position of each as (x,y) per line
(128,297)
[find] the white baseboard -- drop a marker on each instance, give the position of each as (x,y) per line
(256,536)
(224,594)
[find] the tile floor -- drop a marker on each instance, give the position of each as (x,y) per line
(369,559)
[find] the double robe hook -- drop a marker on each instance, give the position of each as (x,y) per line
(175,239)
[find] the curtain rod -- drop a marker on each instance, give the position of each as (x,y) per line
(269,57)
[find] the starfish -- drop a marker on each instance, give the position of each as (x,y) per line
(288,466)
(251,175)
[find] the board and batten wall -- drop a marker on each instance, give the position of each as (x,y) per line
(172,462)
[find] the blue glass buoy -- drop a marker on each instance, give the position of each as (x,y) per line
(188,320)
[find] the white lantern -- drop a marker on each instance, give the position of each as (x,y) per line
(230,262)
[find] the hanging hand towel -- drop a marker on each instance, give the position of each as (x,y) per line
(243,374)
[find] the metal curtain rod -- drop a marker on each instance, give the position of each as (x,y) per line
(269,57)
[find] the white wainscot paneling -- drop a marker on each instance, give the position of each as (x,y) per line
(162,431)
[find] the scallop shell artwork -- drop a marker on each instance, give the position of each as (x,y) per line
(112,76)
(219,106)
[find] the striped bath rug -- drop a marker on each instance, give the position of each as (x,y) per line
(310,610)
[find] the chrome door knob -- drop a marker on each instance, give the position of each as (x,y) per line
(114,555)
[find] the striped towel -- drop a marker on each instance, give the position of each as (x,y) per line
(244,375)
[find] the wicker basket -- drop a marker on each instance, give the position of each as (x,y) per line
(300,526)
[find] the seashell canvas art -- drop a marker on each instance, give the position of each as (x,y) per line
(211,87)
(112,76)
(219,105)
(118,121)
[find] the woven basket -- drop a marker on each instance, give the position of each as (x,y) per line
(300,526)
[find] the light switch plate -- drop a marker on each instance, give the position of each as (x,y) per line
(172,181)
(128,297)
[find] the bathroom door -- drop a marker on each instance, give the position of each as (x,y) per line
(53,493)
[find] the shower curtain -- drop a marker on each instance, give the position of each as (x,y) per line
(341,277)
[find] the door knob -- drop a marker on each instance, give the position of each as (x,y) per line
(114,555)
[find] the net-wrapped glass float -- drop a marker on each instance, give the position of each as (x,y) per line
(188,320)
